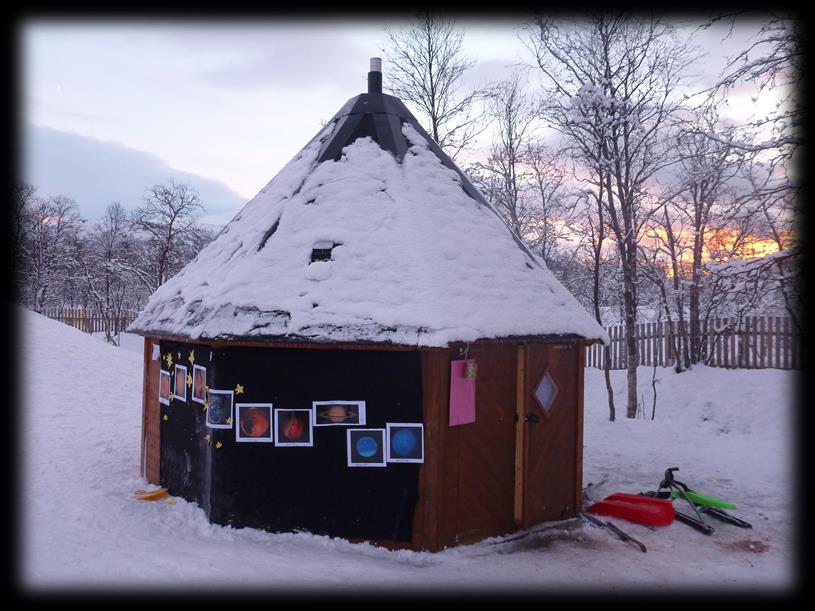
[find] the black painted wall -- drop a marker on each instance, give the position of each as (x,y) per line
(274,488)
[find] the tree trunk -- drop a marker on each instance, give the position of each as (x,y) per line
(632,357)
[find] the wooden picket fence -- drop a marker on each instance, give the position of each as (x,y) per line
(755,342)
(88,319)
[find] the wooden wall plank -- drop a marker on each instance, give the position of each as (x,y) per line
(151,414)
(435,395)
(580,380)
(144,393)
(520,381)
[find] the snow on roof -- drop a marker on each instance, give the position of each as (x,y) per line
(403,255)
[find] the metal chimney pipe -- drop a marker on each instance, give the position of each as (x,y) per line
(375,76)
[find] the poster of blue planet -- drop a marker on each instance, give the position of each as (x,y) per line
(405,442)
(219,409)
(366,448)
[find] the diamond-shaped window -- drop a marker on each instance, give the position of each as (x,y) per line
(545,392)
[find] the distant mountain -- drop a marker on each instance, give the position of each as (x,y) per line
(95,173)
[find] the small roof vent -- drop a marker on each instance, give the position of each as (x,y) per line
(322,250)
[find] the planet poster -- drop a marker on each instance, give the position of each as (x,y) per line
(199,384)
(338,413)
(292,427)
(219,409)
(366,448)
(164,387)
(253,422)
(180,386)
(405,442)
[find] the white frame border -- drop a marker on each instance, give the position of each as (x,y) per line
(239,439)
(412,425)
(294,444)
(231,394)
(192,388)
(360,407)
(162,400)
(384,462)
(175,382)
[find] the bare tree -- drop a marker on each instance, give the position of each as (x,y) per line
(426,67)
(556,207)
(168,222)
(612,90)
(774,60)
(51,222)
(597,238)
(512,113)
(23,196)
(101,257)
(702,202)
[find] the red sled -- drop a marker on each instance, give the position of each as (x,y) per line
(636,508)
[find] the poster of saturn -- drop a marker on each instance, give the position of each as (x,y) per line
(338,413)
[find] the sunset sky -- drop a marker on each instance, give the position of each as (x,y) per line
(227,101)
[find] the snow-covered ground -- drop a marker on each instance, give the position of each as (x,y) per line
(728,431)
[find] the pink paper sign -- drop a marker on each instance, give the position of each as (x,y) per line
(462,392)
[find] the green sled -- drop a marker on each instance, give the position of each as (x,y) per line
(704,499)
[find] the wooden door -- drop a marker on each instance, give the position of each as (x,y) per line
(549,430)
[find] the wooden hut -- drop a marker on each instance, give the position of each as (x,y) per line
(415,372)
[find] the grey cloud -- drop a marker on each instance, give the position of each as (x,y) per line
(96,173)
(280,54)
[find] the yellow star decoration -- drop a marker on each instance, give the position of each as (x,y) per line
(165,418)
(191,358)
(169,359)
(218,445)
(205,406)
(229,420)
(189,380)
(208,437)
(239,389)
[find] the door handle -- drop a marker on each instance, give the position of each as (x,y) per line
(533,418)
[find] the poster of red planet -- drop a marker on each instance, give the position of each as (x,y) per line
(292,427)
(164,387)
(253,422)
(180,387)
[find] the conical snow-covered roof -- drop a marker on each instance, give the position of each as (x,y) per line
(370,234)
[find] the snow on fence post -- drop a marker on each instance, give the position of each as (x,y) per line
(737,353)
(642,352)
(780,344)
(720,339)
(795,353)
(756,338)
(786,336)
